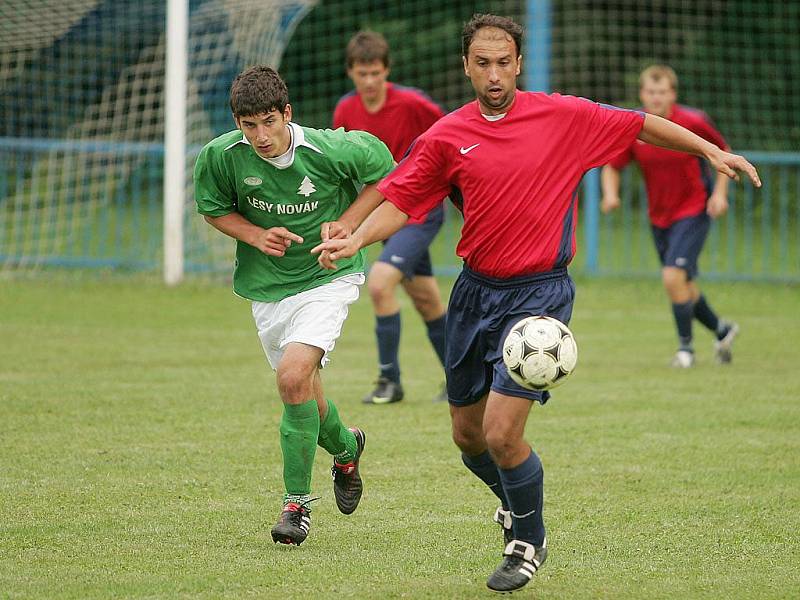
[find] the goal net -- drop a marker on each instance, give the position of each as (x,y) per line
(82,93)
(82,119)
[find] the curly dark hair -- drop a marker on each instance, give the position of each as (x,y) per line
(258,90)
(479,21)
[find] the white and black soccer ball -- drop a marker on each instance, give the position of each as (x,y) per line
(540,353)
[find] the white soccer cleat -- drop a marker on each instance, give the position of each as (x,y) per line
(683,359)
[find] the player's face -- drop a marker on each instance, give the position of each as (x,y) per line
(493,65)
(369,79)
(657,96)
(267,133)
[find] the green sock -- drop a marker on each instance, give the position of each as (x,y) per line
(299,431)
(335,438)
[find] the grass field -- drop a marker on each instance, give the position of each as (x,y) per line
(139,456)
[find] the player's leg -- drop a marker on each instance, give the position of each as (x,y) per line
(679,294)
(297,335)
(346,446)
(468,383)
(299,430)
(424,293)
(724,331)
(421,285)
(467,424)
(676,281)
(317,320)
(507,409)
(522,478)
(381,283)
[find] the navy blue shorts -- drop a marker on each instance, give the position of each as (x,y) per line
(407,250)
(481,312)
(679,245)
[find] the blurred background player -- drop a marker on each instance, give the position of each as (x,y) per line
(396,115)
(518,159)
(683,195)
(273,186)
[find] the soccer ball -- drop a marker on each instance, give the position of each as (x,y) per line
(539,353)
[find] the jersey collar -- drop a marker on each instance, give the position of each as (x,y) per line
(298,139)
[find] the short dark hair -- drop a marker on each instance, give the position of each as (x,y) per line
(366,47)
(479,21)
(258,90)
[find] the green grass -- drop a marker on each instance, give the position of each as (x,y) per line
(139,455)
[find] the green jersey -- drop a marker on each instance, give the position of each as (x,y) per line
(318,185)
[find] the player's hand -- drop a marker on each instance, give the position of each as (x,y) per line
(717,205)
(332,250)
(730,164)
(332,230)
(609,203)
(275,240)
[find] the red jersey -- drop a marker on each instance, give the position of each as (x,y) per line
(678,184)
(518,176)
(406,113)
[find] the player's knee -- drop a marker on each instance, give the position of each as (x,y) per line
(294,383)
(379,292)
(501,443)
(468,439)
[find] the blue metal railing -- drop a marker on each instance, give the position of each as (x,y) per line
(97,204)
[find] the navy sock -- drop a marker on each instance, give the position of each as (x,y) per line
(387,331)
(684,313)
(524,486)
(436,335)
(484,468)
(704,314)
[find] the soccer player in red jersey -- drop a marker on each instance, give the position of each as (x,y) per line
(517,159)
(682,197)
(396,115)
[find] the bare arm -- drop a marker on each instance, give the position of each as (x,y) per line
(367,201)
(609,182)
(718,201)
(664,133)
(273,241)
(379,225)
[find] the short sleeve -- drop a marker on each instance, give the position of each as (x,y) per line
(360,156)
(428,113)
(213,192)
(419,182)
(607,131)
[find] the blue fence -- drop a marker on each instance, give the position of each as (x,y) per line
(89,204)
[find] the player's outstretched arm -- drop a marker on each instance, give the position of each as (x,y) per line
(368,200)
(664,133)
(273,241)
(379,225)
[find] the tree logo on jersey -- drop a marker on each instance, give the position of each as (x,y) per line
(306,187)
(252,181)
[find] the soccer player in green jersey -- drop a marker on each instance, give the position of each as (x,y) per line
(279,189)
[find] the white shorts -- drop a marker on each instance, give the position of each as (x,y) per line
(314,317)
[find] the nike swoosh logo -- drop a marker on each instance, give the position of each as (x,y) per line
(465,150)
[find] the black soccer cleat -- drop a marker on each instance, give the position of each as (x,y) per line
(503,518)
(347,485)
(386,391)
(521,561)
(293,524)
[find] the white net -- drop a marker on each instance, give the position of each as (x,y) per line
(82,123)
